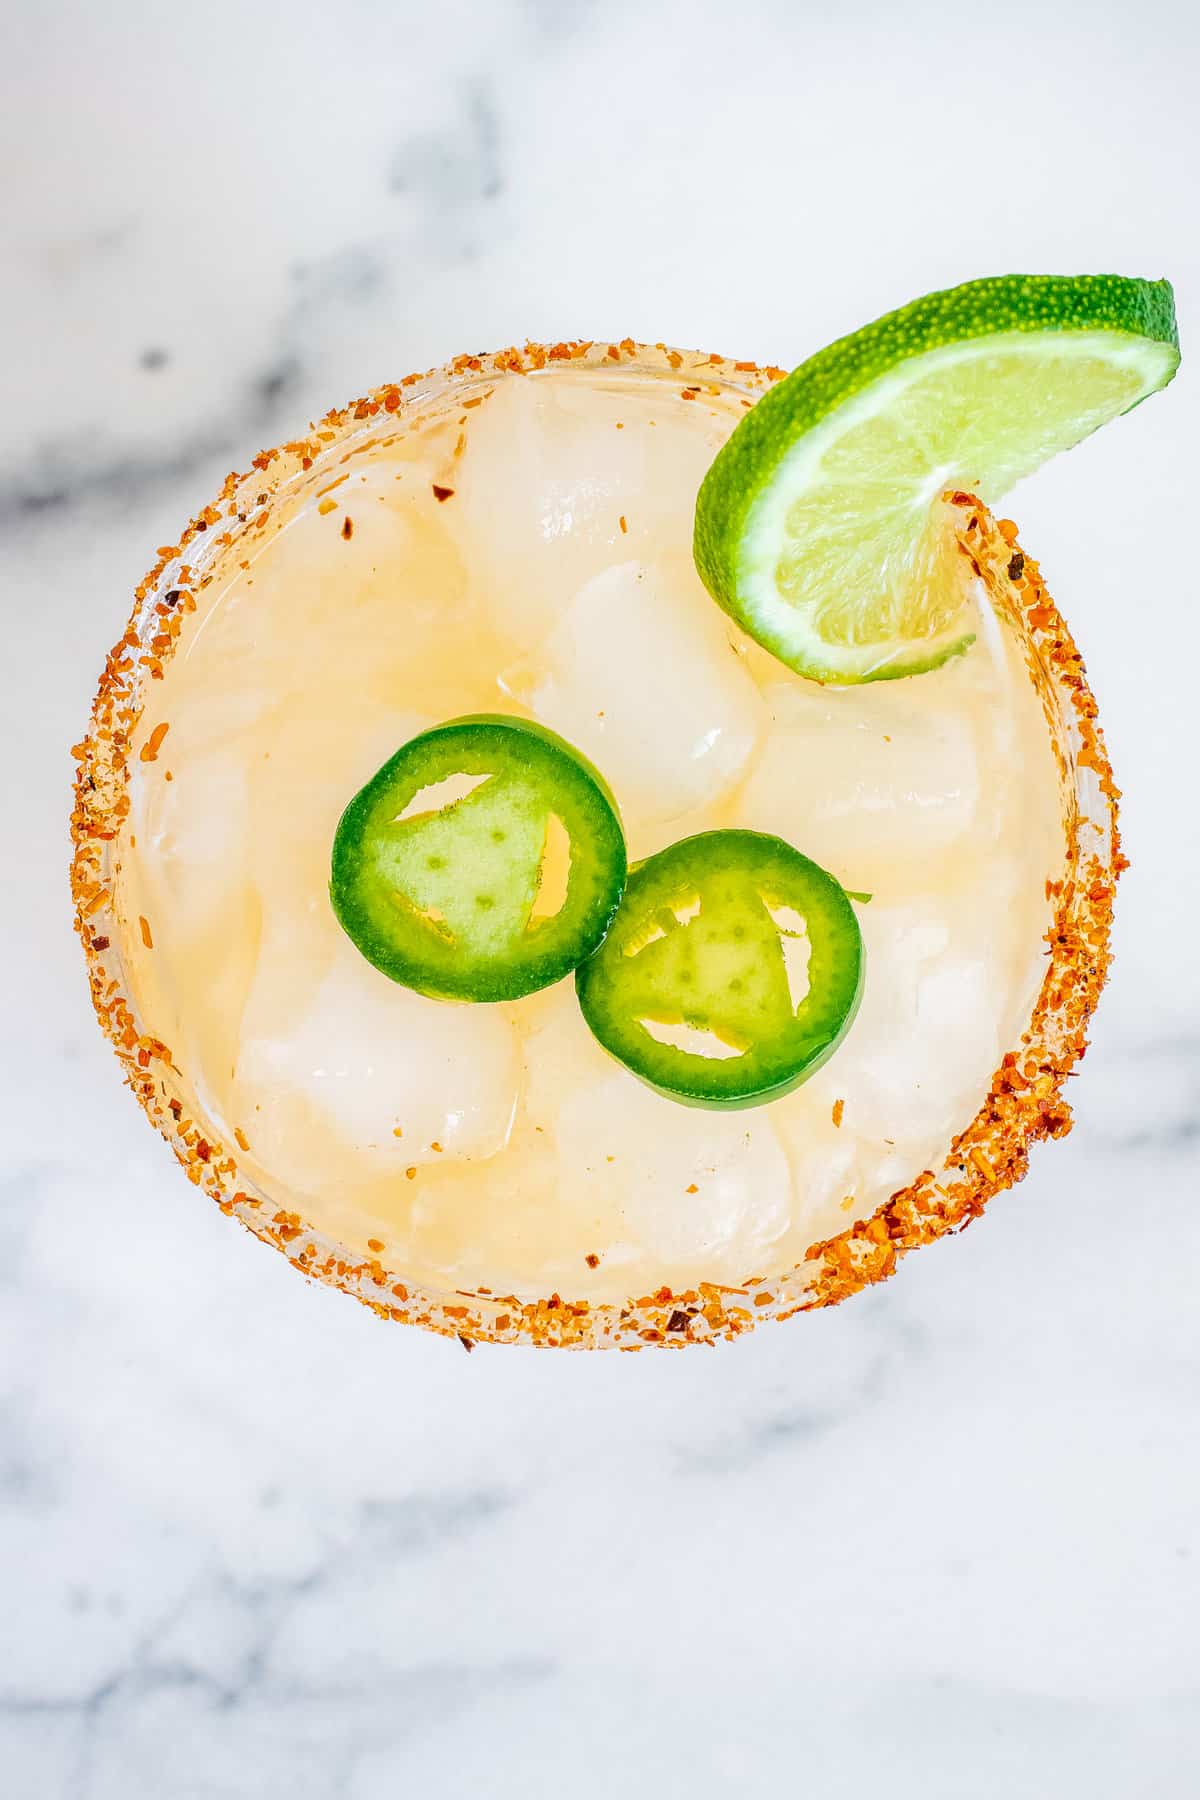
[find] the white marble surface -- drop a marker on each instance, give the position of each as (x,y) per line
(942,1542)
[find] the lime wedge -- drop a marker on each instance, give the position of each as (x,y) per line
(821,525)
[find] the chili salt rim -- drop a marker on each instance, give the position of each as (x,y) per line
(1025,1103)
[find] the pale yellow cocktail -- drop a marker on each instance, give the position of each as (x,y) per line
(513,535)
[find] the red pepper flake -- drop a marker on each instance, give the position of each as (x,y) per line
(240,1137)
(466,1342)
(400,1291)
(391,400)
(153,743)
(678,1320)
(411,1174)
(442,494)
(592,1260)
(689,393)
(746,368)
(502,1321)
(203,1149)
(375,1244)
(624,526)
(347,527)
(144,925)
(839,1108)
(100,943)
(1016,567)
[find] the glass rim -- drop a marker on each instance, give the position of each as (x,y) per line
(1025,1102)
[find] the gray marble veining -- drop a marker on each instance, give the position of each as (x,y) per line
(942,1542)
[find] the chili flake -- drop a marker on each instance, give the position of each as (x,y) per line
(153,744)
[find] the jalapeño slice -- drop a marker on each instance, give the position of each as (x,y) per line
(732,970)
(483,861)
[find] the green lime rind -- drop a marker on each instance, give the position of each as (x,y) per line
(1037,362)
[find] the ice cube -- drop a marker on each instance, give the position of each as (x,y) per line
(388,605)
(694,1192)
(189,882)
(317,761)
(824,1165)
(639,673)
(192,832)
(867,780)
(919,1056)
(266,811)
(560,1054)
(344,1075)
(504,1228)
(557,483)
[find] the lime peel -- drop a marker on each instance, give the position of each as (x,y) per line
(820,527)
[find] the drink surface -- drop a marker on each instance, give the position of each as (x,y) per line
(524,545)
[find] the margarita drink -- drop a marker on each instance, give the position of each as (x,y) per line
(517,540)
